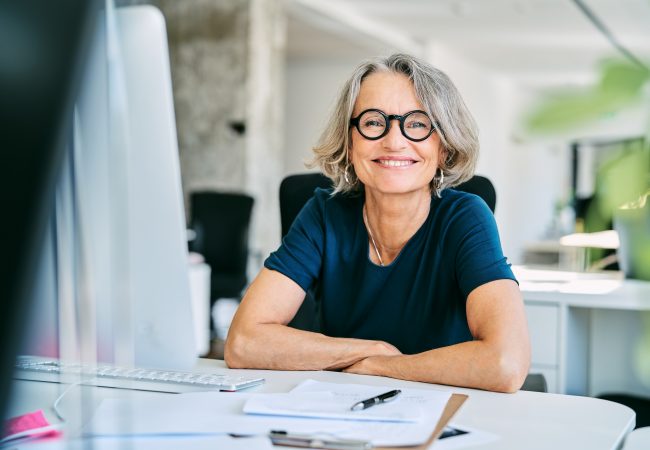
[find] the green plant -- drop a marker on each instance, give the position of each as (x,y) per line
(621,84)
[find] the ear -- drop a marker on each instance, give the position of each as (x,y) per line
(443,156)
(350,155)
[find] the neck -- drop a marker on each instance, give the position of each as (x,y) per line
(393,220)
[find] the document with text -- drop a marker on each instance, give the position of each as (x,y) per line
(210,413)
(334,401)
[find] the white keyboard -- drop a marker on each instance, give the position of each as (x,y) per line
(39,369)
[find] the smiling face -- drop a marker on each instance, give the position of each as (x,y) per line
(392,164)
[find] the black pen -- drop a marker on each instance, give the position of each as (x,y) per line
(382,398)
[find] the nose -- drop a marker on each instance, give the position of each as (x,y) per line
(394,140)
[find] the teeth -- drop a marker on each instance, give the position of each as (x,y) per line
(394,163)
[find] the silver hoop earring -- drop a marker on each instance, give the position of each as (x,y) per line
(346,177)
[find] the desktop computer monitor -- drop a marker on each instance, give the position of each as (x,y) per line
(114,272)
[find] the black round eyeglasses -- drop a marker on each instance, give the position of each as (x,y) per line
(374,124)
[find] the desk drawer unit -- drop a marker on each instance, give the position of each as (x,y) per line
(543,326)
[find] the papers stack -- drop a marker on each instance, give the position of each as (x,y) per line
(312,407)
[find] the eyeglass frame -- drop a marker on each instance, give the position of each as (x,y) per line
(354,121)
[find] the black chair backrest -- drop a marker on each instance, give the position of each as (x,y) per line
(221,221)
(295,190)
(482,187)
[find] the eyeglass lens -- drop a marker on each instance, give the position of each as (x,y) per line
(414,125)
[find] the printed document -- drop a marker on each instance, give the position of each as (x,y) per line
(333,401)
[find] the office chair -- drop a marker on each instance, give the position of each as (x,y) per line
(535,382)
(295,190)
(481,186)
(221,222)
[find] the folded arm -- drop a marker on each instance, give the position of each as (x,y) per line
(497,359)
(260,338)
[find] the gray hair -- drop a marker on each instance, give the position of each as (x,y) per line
(440,99)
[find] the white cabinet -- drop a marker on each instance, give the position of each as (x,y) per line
(543,327)
(543,323)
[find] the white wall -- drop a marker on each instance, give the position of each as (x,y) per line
(312,85)
(537,178)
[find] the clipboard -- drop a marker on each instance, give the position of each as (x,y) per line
(453,405)
(283,440)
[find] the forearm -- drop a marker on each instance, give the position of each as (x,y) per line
(279,347)
(474,364)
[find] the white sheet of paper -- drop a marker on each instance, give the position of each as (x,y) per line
(206,413)
(424,400)
(336,404)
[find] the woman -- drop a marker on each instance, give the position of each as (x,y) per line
(410,275)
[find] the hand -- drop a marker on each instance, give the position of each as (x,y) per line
(381,348)
(372,365)
(380,355)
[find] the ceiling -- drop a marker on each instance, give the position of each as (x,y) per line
(540,43)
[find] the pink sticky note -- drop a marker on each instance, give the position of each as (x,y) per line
(21,426)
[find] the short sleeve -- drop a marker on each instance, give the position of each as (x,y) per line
(479,257)
(301,253)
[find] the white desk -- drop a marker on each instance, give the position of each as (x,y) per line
(584,330)
(527,420)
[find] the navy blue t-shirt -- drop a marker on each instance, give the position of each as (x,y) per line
(417,302)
